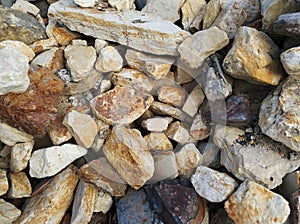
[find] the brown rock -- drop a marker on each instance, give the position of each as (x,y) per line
(20,186)
(59,134)
(179,133)
(173,95)
(43,45)
(158,141)
(199,130)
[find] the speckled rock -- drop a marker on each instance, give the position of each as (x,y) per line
(288,24)
(20,155)
(290,60)
(3,182)
(9,213)
(20,46)
(295,207)
(20,186)
(10,136)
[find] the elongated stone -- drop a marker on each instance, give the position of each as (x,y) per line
(8,212)
(156,124)
(20,46)
(288,24)
(135,29)
(10,136)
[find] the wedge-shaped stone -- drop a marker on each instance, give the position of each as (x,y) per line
(8,212)
(121,105)
(135,29)
(52,59)
(193,101)
(179,133)
(127,152)
(11,136)
(199,129)
(20,155)
(288,24)
(252,203)
(190,10)
(43,45)
(158,141)
(20,186)
(173,95)
(49,161)
(109,60)
(52,203)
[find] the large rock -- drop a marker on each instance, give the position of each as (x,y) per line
(252,203)
(9,213)
(279,116)
(288,24)
(17,25)
(173,95)
(13,71)
(10,136)
(121,105)
(290,60)
(132,28)
(254,57)
(49,161)
(128,153)
(190,10)
(20,46)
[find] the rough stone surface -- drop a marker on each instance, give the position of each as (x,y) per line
(103,202)
(121,105)
(52,203)
(26,7)
(132,28)
(49,161)
(193,101)
(190,10)
(279,116)
(10,136)
(109,60)
(122,5)
(100,173)
(173,95)
(59,134)
(86,3)
(288,24)
(43,45)
(17,25)
(290,60)
(254,57)
(213,185)
(20,186)
(13,71)
(20,46)
(156,124)
(188,159)
(252,203)
(199,129)
(178,132)
(20,155)
(82,127)
(80,60)
(8,212)
(158,141)
(3,182)
(84,201)
(128,153)
(193,50)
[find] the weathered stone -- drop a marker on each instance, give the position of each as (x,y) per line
(279,116)
(3,182)
(178,132)
(169,80)
(254,57)
(52,203)
(53,159)
(155,66)
(188,159)
(10,136)
(190,10)
(156,124)
(80,60)
(158,141)
(211,12)
(84,201)
(128,153)
(133,78)
(252,203)
(295,207)
(109,60)
(122,5)
(82,127)
(290,60)
(43,45)
(17,25)
(121,105)
(20,46)
(182,76)
(210,153)
(100,173)
(26,7)
(20,186)
(59,134)
(238,110)
(193,101)
(103,202)
(267,162)
(13,70)
(37,108)
(173,95)
(132,28)
(213,185)
(8,212)
(199,129)
(288,24)
(86,3)
(20,155)
(193,50)
(99,44)
(5,157)
(167,10)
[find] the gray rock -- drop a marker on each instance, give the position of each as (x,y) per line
(290,60)
(295,206)
(288,24)
(9,213)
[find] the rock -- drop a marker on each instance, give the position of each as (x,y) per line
(43,45)
(82,127)
(173,95)
(290,184)
(26,7)
(178,132)
(290,60)
(254,58)
(86,3)
(132,28)
(167,10)
(80,60)
(210,153)
(52,59)
(84,201)
(20,186)
(122,5)
(193,101)
(156,124)
(17,25)
(188,159)
(20,46)
(59,134)
(213,185)
(182,76)
(190,10)
(13,71)
(79,42)
(279,117)
(288,24)
(99,44)
(3,182)
(295,207)
(103,202)
(37,108)
(5,157)
(10,136)
(133,78)
(20,155)
(199,129)
(193,50)
(252,203)
(53,159)
(52,203)
(109,60)
(9,213)
(238,110)
(121,105)
(158,141)
(154,66)
(211,12)
(255,162)
(127,152)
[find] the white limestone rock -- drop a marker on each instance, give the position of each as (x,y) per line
(109,60)
(20,46)
(10,136)
(86,3)
(3,182)
(20,186)
(99,44)
(290,60)
(189,10)
(103,202)
(193,101)
(26,7)
(20,155)
(156,124)
(122,5)
(8,212)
